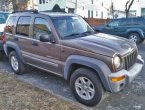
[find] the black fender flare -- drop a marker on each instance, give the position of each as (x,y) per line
(15,47)
(102,70)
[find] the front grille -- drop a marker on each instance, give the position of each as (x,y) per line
(130,59)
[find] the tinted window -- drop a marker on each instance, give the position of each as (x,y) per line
(71,26)
(23,26)
(125,22)
(40,27)
(10,24)
(138,21)
(114,23)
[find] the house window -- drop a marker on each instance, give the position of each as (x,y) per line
(96,13)
(142,11)
(102,3)
(92,1)
(40,1)
(92,14)
(102,14)
(88,13)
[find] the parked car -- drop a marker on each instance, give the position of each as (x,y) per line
(3,18)
(65,45)
(131,28)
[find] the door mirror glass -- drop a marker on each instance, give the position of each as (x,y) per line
(45,38)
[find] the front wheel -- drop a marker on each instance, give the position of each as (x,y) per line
(86,87)
(134,37)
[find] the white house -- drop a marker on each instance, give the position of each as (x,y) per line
(85,8)
(140,8)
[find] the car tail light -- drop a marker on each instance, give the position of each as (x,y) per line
(2,38)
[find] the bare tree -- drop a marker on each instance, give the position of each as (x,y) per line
(112,10)
(4,4)
(16,4)
(128,6)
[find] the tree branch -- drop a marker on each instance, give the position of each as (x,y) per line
(130,4)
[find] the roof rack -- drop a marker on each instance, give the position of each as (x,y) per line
(33,11)
(61,11)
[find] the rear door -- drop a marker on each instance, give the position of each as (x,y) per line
(123,26)
(22,36)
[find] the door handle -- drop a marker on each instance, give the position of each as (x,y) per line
(34,43)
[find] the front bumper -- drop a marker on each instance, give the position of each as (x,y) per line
(129,75)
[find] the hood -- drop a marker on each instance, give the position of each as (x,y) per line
(103,44)
(2,26)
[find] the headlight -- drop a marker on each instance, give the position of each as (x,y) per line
(117,62)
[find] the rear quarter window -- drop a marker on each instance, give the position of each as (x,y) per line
(138,21)
(10,24)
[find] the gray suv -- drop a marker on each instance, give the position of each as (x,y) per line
(65,45)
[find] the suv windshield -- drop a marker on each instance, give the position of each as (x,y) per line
(3,17)
(71,27)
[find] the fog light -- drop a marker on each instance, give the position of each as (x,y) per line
(116,79)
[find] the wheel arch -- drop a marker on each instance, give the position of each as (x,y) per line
(10,46)
(100,68)
(138,31)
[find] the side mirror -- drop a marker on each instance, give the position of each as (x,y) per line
(46,38)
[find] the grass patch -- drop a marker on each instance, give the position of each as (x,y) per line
(17,95)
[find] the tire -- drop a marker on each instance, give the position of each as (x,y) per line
(96,93)
(16,64)
(134,37)
(1,56)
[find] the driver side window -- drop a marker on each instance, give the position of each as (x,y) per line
(40,28)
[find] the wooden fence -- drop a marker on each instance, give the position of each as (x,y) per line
(95,22)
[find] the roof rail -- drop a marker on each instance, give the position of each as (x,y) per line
(62,11)
(33,11)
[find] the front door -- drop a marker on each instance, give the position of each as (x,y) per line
(45,55)
(112,27)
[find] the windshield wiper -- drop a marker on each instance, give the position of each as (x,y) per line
(74,34)
(88,32)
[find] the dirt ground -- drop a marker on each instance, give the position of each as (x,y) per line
(17,95)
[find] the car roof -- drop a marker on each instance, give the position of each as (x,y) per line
(4,12)
(49,13)
(57,14)
(128,18)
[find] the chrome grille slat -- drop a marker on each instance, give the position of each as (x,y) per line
(130,59)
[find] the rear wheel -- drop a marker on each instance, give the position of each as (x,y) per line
(134,37)
(16,64)
(86,87)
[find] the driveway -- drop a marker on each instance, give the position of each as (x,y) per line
(131,98)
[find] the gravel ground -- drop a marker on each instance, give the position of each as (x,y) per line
(131,98)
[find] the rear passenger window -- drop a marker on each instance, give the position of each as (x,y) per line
(138,21)
(40,27)
(23,26)
(126,22)
(10,24)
